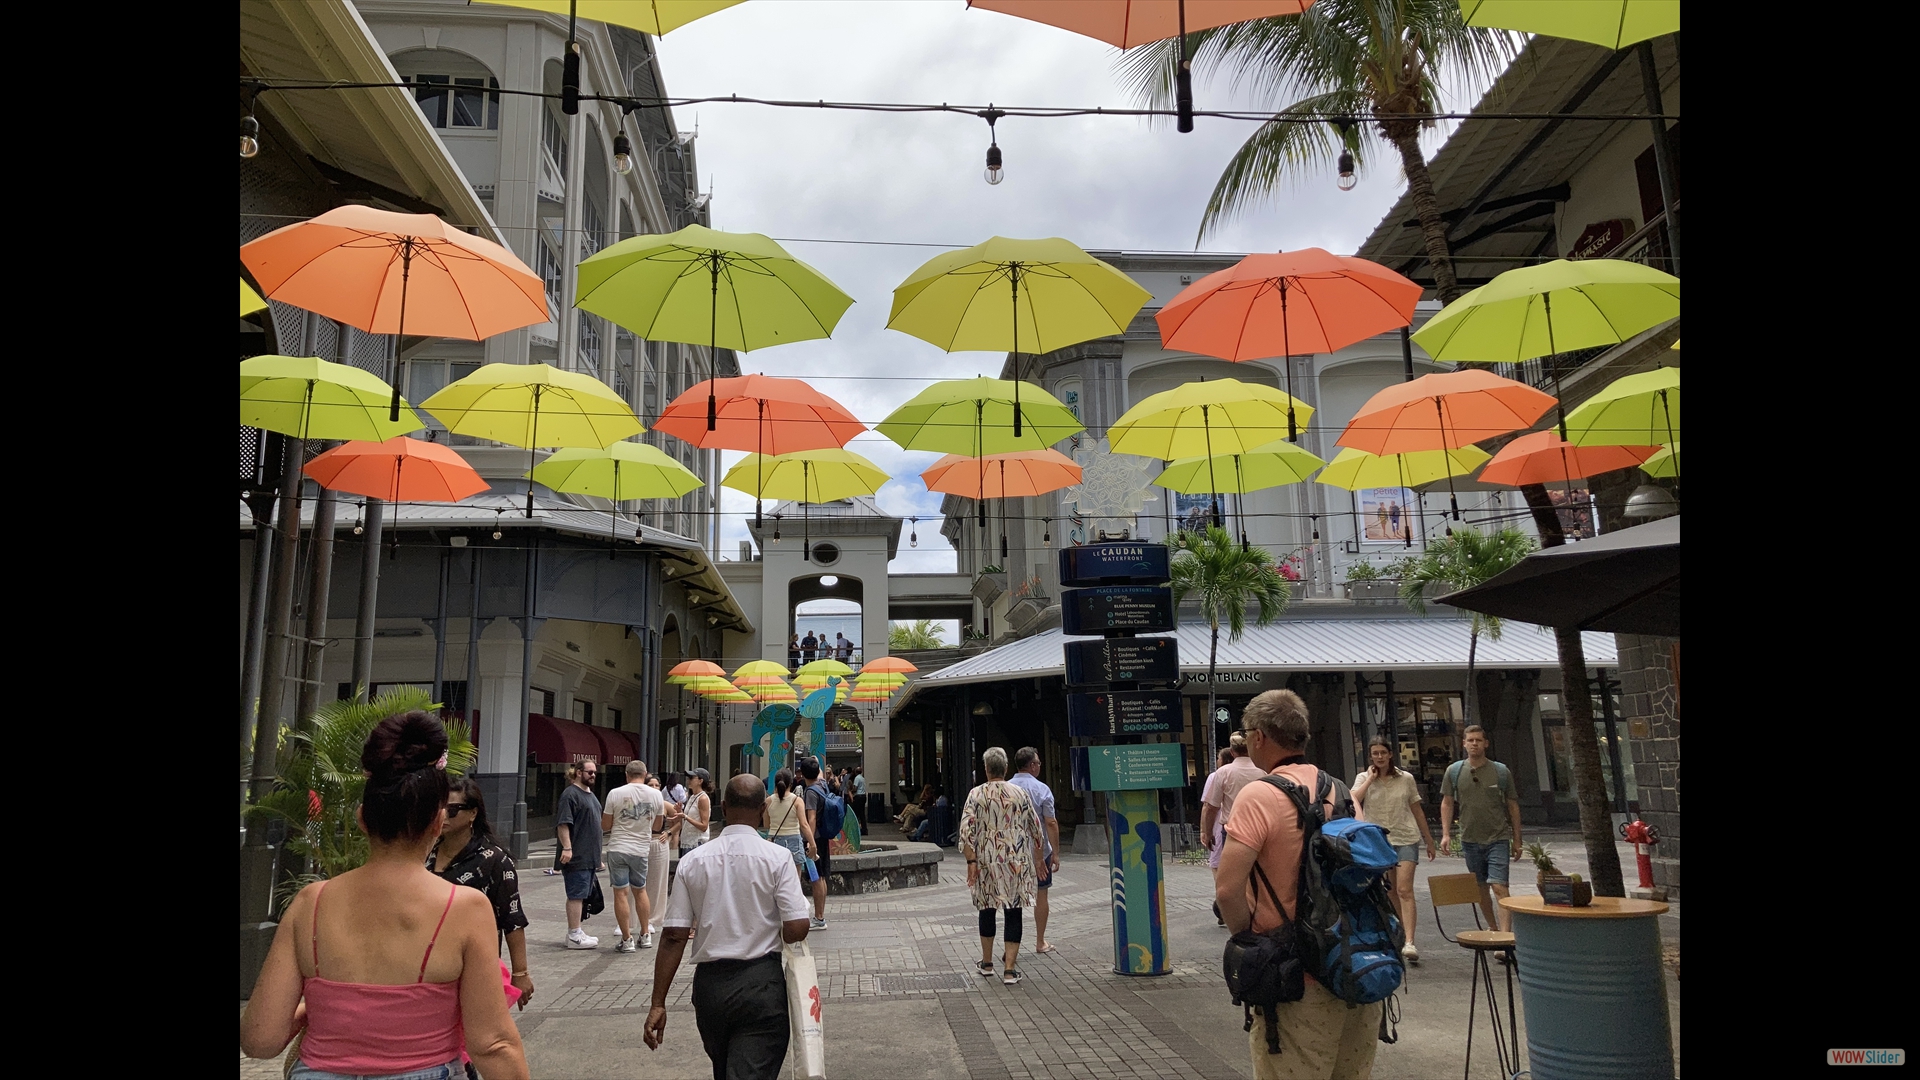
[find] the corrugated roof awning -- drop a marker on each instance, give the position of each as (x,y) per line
(1400,644)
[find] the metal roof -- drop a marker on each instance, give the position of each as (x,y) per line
(1403,644)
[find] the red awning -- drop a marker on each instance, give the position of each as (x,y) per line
(553,741)
(615,747)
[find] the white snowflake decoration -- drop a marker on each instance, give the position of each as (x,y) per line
(1112,488)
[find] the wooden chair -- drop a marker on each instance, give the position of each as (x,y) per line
(1453,890)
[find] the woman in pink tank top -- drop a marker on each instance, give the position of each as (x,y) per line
(391,970)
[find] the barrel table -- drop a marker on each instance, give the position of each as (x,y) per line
(1593,989)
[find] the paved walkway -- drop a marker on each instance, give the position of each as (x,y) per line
(896,972)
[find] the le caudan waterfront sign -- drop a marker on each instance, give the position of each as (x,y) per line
(1096,564)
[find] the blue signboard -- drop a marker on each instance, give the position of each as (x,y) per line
(1135,563)
(1123,660)
(1137,609)
(1123,712)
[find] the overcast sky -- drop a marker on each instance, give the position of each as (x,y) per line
(809,177)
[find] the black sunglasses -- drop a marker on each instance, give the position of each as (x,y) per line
(454,808)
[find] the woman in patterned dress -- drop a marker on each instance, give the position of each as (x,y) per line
(1001,839)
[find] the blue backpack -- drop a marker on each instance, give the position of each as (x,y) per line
(833,812)
(1347,932)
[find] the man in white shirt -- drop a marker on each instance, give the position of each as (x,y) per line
(628,820)
(842,648)
(742,895)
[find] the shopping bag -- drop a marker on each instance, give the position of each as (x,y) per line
(808,1043)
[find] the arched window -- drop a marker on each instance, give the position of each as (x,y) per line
(453,89)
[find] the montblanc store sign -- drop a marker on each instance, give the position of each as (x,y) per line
(1223,678)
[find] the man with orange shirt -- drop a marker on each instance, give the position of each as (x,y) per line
(1321,1036)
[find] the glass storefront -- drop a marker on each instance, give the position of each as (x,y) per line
(1427,731)
(1560,750)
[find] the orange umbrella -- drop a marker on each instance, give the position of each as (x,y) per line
(1126,23)
(698,667)
(761,413)
(1444,412)
(398,470)
(1011,475)
(888,663)
(1243,312)
(390,273)
(1544,457)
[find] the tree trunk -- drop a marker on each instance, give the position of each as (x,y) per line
(1213,653)
(1576,706)
(1473,647)
(1425,207)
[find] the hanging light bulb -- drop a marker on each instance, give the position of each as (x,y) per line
(1316,526)
(776,530)
(1047,536)
(496,524)
(622,154)
(249,136)
(360,522)
(1347,179)
(994,173)
(913,539)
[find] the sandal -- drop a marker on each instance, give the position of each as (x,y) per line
(1049,947)
(1011,977)
(986,969)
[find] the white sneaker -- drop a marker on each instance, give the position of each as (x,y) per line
(578,939)
(646,941)
(817,924)
(1410,954)
(626,945)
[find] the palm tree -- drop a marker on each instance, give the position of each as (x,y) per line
(1338,59)
(1460,561)
(1213,568)
(919,634)
(320,786)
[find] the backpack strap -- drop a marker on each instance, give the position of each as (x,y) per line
(1451,788)
(1505,779)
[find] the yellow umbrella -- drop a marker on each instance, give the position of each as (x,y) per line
(1665,463)
(310,398)
(534,405)
(820,669)
(1612,24)
(1356,470)
(250,301)
(647,16)
(761,667)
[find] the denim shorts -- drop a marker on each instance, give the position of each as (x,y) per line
(452,1070)
(579,882)
(626,871)
(1488,862)
(795,843)
(1408,853)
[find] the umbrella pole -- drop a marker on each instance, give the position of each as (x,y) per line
(533,432)
(980,466)
(759,458)
(1003,511)
(406,270)
(1207,429)
(1286,346)
(613,530)
(1013,275)
(1183,80)
(1240,492)
(1406,516)
(1452,498)
(806,517)
(713,345)
(1559,406)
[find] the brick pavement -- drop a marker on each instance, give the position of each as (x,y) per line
(896,971)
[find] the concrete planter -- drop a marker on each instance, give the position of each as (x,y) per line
(989,587)
(1379,589)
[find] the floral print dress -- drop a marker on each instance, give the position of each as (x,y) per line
(1000,830)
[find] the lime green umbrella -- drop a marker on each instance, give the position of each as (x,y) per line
(1031,295)
(625,470)
(647,16)
(534,405)
(976,417)
(1635,410)
(703,287)
(1614,24)
(1357,470)
(1268,466)
(1666,463)
(806,477)
(1207,420)
(310,398)
(250,301)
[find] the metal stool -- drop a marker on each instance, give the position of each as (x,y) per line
(1450,890)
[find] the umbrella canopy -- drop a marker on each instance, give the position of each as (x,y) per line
(647,16)
(250,301)
(1002,476)
(806,476)
(781,693)
(887,664)
(698,667)
(1443,411)
(533,405)
(724,290)
(1268,466)
(1666,463)
(1543,457)
(1126,23)
(1625,582)
(1205,419)
(1555,307)
(1614,24)
(746,682)
(310,398)
(761,413)
(821,669)
(625,470)
(1031,295)
(1357,470)
(760,667)
(1285,304)
(397,470)
(976,417)
(1635,410)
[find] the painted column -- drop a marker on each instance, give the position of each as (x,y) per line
(1138,883)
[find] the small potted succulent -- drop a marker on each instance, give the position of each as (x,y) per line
(1556,887)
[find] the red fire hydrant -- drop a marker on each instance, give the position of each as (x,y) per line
(1642,836)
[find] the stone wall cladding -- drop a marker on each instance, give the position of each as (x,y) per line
(1648,695)
(878,869)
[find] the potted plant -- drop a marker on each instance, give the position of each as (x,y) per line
(1556,887)
(1366,581)
(990,584)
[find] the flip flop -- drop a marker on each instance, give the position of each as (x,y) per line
(1049,947)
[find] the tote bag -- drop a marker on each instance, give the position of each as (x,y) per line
(808,1043)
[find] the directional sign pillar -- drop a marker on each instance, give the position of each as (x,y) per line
(1121,689)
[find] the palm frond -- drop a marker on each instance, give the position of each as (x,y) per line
(1210,568)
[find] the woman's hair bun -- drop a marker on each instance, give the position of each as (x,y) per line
(403,743)
(406,786)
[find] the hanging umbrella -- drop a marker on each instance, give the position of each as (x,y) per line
(977,417)
(250,301)
(1126,23)
(306,397)
(398,470)
(1005,294)
(649,474)
(761,414)
(1357,470)
(389,273)
(1243,312)
(805,477)
(698,667)
(760,667)
(1206,419)
(1272,465)
(647,16)
(1543,457)
(534,405)
(822,669)
(887,664)
(1664,464)
(723,290)
(1612,24)
(1632,410)
(1021,474)
(1442,412)
(1552,308)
